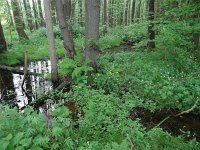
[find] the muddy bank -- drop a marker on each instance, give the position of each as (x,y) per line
(187,125)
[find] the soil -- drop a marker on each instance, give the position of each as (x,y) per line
(187,125)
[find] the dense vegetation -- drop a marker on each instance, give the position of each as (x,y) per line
(101,98)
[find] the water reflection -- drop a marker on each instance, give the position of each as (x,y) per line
(11,90)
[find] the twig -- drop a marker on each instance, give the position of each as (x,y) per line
(162,121)
(129,139)
(189,110)
(25,67)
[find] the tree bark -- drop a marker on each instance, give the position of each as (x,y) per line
(81,12)
(10,15)
(35,14)
(66,30)
(92,30)
(29,15)
(3,46)
(67,9)
(51,41)
(133,11)
(42,23)
(18,20)
(105,18)
(151,32)
(53,11)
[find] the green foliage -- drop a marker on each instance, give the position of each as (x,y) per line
(75,68)
(104,125)
(170,81)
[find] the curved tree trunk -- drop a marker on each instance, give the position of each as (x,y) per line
(66,30)
(3,46)
(18,20)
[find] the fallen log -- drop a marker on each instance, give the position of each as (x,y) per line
(41,100)
(18,71)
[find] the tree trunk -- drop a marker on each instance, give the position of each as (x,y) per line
(18,20)
(3,46)
(110,13)
(92,30)
(133,11)
(51,41)
(151,32)
(42,23)
(53,11)
(81,12)
(66,30)
(67,9)
(22,14)
(126,12)
(105,18)
(11,22)
(29,15)
(35,14)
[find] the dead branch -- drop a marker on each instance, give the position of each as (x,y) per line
(18,71)
(189,110)
(129,139)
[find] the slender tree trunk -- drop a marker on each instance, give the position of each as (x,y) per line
(53,11)
(81,12)
(151,32)
(110,13)
(18,20)
(42,23)
(66,30)
(51,41)
(29,14)
(126,12)
(3,46)
(22,14)
(105,18)
(92,30)
(35,14)
(10,15)
(133,11)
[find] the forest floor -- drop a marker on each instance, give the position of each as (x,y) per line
(135,93)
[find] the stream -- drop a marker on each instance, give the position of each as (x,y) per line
(11,91)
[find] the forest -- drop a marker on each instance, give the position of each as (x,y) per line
(99,75)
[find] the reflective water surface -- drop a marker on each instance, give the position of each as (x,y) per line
(11,91)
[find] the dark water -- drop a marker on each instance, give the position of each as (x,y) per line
(187,125)
(11,91)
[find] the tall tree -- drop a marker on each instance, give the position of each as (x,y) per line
(28,14)
(35,14)
(151,32)
(42,23)
(51,41)
(18,20)
(3,46)
(133,11)
(105,16)
(53,11)
(11,22)
(81,12)
(66,30)
(92,30)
